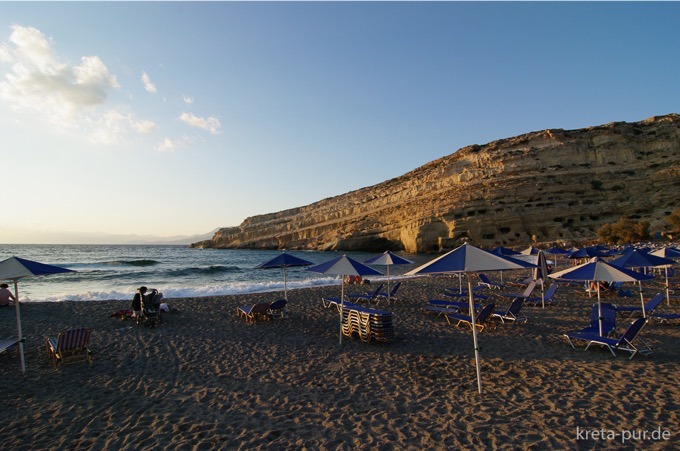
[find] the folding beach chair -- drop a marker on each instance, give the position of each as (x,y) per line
(368,296)
(70,346)
(251,313)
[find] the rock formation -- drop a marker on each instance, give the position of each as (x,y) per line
(552,185)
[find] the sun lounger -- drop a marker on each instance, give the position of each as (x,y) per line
(70,346)
(524,295)
(336,302)
(277,309)
(513,313)
(484,281)
(368,296)
(255,311)
(7,345)
(626,342)
(547,299)
(608,324)
(484,314)
(383,296)
(663,317)
(650,306)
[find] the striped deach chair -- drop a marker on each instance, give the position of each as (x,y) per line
(70,346)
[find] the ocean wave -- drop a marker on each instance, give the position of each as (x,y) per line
(170,291)
(140,262)
(203,270)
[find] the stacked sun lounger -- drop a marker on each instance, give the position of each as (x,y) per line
(369,324)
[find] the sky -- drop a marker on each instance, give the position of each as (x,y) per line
(174,118)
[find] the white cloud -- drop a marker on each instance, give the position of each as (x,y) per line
(188,100)
(66,95)
(113,126)
(168,145)
(150,87)
(211,124)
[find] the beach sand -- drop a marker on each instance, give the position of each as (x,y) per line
(205,379)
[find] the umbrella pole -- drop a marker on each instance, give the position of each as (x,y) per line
(388,285)
(342,304)
(285,287)
(668,295)
(542,295)
(20,334)
(473,317)
(599,308)
(642,300)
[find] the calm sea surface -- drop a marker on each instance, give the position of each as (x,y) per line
(116,271)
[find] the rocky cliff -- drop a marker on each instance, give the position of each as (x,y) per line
(552,185)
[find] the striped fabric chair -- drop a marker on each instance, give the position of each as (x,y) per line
(70,346)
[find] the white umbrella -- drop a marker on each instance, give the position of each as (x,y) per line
(388,259)
(15,268)
(469,259)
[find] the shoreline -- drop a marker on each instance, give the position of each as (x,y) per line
(207,379)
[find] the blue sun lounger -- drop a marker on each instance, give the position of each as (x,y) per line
(608,324)
(368,296)
(547,297)
(484,280)
(484,314)
(650,306)
(513,313)
(626,341)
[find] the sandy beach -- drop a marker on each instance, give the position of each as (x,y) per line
(205,379)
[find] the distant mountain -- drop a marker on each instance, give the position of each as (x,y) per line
(59,237)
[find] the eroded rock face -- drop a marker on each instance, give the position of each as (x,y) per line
(542,186)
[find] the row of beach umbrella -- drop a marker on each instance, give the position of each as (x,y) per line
(464,260)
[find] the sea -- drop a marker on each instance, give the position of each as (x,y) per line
(112,272)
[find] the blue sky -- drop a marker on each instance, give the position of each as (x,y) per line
(172,118)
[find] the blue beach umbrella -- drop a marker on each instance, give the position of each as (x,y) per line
(388,259)
(597,270)
(638,259)
(468,259)
(344,266)
(284,261)
(15,268)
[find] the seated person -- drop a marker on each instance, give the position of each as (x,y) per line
(604,286)
(6,295)
(137,302)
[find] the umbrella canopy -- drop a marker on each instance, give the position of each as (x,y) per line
(667,252)
(469,259)
(344,266)
(597,270)
(500,250)
(388,259)
(284,260)
(639,259)
(530,251)
(556,251)
(586,252)
(15,268)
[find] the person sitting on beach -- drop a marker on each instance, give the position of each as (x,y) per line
(5,295)
(604,286)
(137,302)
